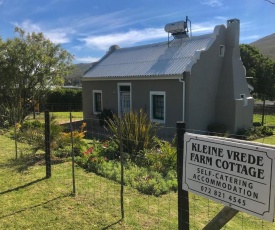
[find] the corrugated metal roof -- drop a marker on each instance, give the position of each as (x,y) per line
(150,60)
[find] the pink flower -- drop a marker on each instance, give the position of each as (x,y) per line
(90,150)
(105,158)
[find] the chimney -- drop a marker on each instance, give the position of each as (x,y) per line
(233,32)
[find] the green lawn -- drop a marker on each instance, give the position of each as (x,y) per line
(60,117)
(29,201)
(268,119)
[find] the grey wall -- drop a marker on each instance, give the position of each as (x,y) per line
(140,96)
(233,83)
(202,86)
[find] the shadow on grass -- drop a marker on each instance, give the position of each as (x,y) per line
(34,206)
(23,162)
(23,186)
(113,224)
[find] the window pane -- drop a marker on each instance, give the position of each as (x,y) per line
(97,102)
(158,107)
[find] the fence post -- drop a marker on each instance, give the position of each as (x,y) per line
(47,145)
(72,139)
(15,135)
(122,169)
(183,201)
(221,219)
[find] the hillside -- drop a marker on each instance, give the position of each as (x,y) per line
(266,45)
(75,78)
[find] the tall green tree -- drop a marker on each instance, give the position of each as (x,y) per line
(261,73)
(30,64)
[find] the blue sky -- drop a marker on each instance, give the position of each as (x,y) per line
(87,28)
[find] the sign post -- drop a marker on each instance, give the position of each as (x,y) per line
(240,175)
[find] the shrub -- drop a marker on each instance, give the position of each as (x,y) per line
(257,124)
(137,131)
(32,133)
(254,132)
(63,152)
(155,173)
(31,125)
(105,116)
(78,135)
(161,158)
(66,99)
(217,129)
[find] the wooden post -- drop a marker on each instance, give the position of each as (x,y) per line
(224,216)
(47,145)
(183,201)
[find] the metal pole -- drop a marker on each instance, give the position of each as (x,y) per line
(72,154)
(122,169)
(15,135)
(47,145)
(183,200)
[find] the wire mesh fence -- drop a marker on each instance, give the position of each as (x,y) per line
(98,184)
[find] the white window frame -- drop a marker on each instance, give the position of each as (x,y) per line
(222,50)
(161,93)
(118,96)
(94,102)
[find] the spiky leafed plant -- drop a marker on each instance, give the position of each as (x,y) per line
(137,131)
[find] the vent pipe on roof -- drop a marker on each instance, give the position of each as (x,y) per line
(113,48)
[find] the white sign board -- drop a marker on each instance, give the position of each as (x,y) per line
(238,174)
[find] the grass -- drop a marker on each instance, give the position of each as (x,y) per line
(269,120)
(29,201)
(60,117)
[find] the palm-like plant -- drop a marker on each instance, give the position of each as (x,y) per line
(137,132)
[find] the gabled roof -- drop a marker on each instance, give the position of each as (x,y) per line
(157,59)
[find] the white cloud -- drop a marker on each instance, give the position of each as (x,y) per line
(212,3)
(132,37)
(88,59)
(250,38)
(59,36)
(203,28)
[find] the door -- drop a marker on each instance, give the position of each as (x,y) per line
(124,99)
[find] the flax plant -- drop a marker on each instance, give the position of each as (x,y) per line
(137,131)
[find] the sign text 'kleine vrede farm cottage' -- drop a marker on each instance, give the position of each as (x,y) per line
(236,173)
(199,80)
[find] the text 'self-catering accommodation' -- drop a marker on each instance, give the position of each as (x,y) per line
(200,80)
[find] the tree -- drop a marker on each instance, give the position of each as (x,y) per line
(30,65)
(261,70)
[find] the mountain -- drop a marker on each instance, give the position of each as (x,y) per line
(75,77)
(266,45)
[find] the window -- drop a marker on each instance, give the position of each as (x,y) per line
(157,107)
(222,48)
(97,103)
